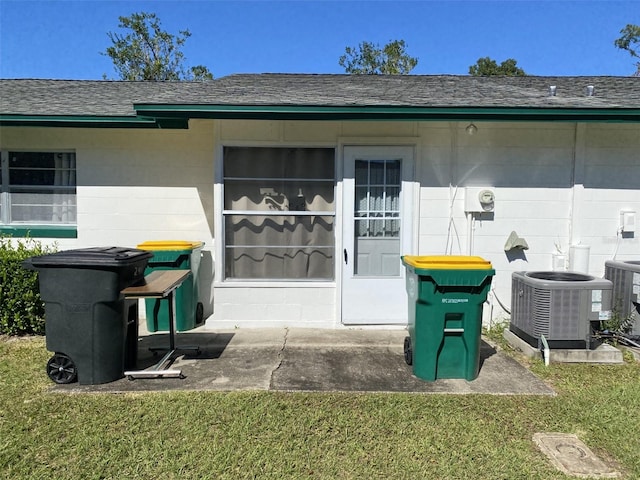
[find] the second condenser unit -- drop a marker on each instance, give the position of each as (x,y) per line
(625,277)
(560,306)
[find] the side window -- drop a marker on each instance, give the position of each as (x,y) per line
(279,213)
(38,188)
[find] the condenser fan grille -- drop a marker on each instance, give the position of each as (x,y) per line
(541,311)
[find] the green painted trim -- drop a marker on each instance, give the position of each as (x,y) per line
(40,231)
(89,121)
(314,112)
(172,123)
(174,116)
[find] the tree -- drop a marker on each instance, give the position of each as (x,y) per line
(630,41)
(486,67)
(149,53)
(370,59)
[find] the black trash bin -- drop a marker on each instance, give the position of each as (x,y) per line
(89,326)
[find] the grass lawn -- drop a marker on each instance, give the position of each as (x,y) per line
(198,435)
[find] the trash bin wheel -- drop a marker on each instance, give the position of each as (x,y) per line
(199,313)
(61,369)
(408,353)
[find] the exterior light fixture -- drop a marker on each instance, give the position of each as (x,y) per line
(471,129)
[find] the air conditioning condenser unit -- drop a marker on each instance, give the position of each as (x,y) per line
(625,277)
(560,306)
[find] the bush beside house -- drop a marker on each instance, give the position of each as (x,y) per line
(22,311)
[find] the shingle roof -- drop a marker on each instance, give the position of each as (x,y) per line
(428,91)
(81,97)
(116,98)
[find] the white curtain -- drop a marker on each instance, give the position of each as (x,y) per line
(377,198)
(64,202)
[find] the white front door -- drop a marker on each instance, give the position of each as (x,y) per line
(377,230)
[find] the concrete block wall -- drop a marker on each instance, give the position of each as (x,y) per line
(556,184)
(136,185)
(275,305)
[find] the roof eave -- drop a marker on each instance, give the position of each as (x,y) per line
(176,116)
(91,121)
(396,113)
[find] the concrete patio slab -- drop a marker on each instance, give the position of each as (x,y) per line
(340,360)
(603,354)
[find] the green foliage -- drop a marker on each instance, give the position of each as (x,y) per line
(370,59)
(486,66)
(630,41)
(22,310)
(618,323)
(495,331)
(149,53)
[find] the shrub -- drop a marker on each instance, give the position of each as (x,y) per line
(22,310)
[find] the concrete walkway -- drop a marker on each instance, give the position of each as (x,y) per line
(341,360)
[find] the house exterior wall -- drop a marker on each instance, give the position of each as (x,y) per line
(310,304)
(135,185)
(556,185)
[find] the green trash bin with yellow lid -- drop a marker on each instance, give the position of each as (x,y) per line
(445,294)
(175,255)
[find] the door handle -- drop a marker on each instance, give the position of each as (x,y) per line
(346,257)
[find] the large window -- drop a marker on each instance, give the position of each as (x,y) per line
(279,213)
(38,188)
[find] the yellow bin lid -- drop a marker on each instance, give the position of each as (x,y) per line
(447,262)
(169,245)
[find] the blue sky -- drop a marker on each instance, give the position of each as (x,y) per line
(63,39)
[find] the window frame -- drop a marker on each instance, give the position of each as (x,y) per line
(33,228)
(225,213)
